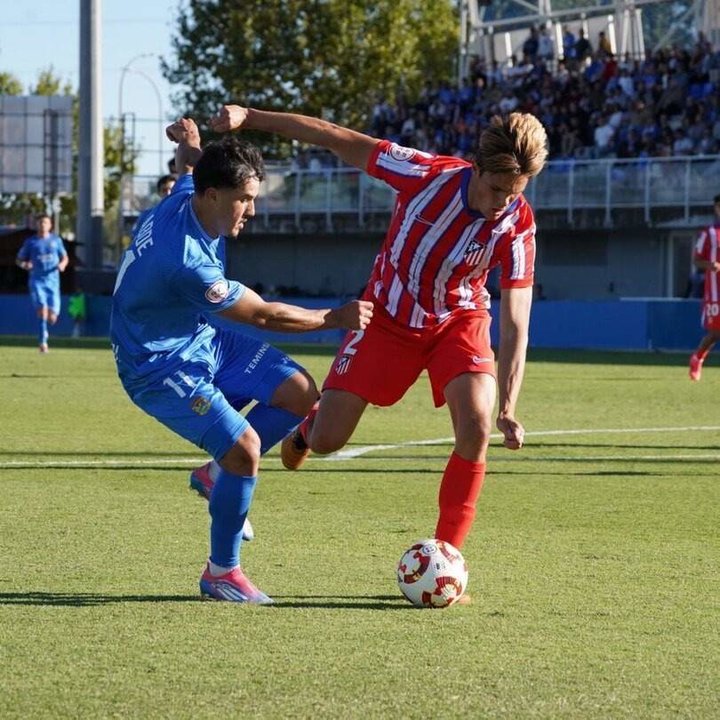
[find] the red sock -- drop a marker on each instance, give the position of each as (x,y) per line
(459,491)
(701,355)
(304,427)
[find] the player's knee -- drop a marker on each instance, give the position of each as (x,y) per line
(309,397)
(477,425)
(472,437)
(243,458)
(297,394)
(322,442)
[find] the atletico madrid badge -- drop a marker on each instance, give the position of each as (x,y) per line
(343,364)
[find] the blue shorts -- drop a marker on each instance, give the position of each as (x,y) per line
(199,399)
(45,293)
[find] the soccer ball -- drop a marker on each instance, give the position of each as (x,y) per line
(432,573)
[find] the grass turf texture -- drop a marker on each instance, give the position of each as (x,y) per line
(593,562)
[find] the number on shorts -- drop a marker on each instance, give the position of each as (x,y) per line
(176,384)
(350,348)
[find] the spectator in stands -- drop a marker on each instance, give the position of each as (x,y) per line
(569,53)
(604,46)
(707,258)
(531,45)
(629,93)
(603,136)
(44,257)
(583,47)
(546,48)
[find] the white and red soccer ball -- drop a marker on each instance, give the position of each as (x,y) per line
(432,573)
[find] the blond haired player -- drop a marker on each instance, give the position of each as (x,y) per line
(452,223)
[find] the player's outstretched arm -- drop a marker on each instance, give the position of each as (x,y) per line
(515,306)
(350,146)
(251,309)
(185,133)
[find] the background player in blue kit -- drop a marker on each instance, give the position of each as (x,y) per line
(43,255)
(193,377)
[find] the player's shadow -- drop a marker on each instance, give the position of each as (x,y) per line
(320,602)
(85,599)
(342,602)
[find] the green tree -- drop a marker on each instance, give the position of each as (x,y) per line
(50,84)
(9,84)
(329,57)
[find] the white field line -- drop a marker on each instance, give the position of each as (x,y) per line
(364,450)
(356,452)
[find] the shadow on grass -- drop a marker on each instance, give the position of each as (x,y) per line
(85,599)
(321,602)
(349,602)
(189,454)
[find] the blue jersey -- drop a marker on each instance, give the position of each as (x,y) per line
(44,254)
(168,277)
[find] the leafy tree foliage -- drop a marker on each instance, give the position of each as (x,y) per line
(9,84)
(321,57)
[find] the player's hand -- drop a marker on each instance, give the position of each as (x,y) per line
(512,430)
(184,130)
(355,315)
(230,117)
(26,265)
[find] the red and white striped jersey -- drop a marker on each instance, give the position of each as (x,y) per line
(707,248)
(437,252)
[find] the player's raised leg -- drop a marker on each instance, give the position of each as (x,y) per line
(326,429)
(285,396)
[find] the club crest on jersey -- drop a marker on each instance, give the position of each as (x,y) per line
(398,152)
(343,364)
(200,405)
(218,291)
(474,252)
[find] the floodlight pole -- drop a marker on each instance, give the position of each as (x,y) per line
(91,148)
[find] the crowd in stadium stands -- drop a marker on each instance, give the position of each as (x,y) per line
(593,104)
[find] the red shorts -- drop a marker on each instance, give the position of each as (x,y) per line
(380,363)
(711,316)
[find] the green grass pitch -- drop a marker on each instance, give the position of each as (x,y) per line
(594,561)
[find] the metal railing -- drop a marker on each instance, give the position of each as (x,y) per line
(290,196)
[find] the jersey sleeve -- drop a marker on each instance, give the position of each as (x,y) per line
(184,184)
(517,263)
(62,252)
(205,286)
(702,246)
(404,169)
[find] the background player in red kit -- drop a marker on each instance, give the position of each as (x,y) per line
(453,221)
(707,258)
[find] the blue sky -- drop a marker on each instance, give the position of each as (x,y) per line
(37,34)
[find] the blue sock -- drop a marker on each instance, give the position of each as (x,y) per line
(229,504)
(43,331)
(271,424)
